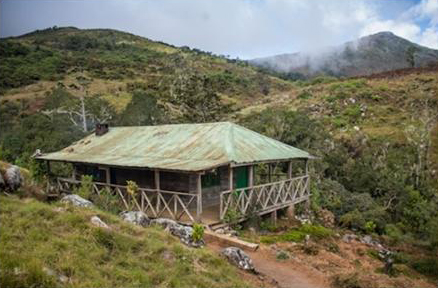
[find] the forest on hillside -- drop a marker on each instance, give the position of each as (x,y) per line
(376,139)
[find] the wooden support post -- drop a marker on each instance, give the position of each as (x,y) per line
(230,178)
(289,170)
(269,172)
(199,199)
(73,173)
(157,180)
(48,167)
(290,211)
(274,217)
(307,166)
(108,175)
(250,176)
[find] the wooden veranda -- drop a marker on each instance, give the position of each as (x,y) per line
(188,207)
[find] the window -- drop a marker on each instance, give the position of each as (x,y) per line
(211,179)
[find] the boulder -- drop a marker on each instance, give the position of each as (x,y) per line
(327,218)
(135,217)
(96,221)
(304,219)
(347,238)
(185,234)
(76,200)
(13,178)
(2,181)
(367,239)
(239,258)
(50,272)
(164,222)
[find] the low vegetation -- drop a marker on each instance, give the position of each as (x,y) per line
(298,234)
(42,242)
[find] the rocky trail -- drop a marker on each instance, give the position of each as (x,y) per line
(281,274)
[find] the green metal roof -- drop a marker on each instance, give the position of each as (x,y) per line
(184,147)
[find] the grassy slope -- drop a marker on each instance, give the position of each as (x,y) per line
(128,59)
(126,256)
(391,104)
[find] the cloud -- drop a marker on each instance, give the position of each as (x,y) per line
(408,24)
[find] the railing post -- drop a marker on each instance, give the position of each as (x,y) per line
(221,205)
(157,187)
(307,185)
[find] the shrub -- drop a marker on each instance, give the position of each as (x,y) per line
(132,188)
(393,232)
(348,281)
(198,232)
(370,226)
(85,190)
(426,266)
(401,258)
(353,219)
(298,234)
(353,113)
(373,254)
(108,201)
(304,95)
(339,122)
(310,249)
(332,247)
(37,170)
(282,255)
(316,231)
(232,217)
(268,226)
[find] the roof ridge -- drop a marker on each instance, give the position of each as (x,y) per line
(174,124)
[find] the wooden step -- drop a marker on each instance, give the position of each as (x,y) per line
(224,240)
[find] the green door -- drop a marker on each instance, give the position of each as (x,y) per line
(241,177)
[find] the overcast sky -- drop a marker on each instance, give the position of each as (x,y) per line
(244,29)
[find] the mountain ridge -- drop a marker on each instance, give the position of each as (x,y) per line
(376,53)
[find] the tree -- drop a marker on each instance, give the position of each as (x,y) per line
(81,109)
(196,97)
(142,110)
(419,135)
(410,55)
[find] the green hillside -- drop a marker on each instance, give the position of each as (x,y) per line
(121,58)
(42,242)
(376,137)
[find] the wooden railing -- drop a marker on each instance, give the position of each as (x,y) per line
(264,198)
(155,203)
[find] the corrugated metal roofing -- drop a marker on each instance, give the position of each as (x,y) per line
(185,147)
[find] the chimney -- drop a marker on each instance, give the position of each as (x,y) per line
(101,129)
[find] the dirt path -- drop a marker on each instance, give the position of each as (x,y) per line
(288,274)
